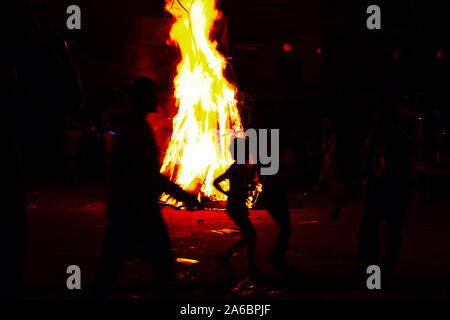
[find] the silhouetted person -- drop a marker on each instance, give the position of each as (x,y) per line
(241,180)
(136,227)
(391,173)
(328,170)
(31,67)
(274,198)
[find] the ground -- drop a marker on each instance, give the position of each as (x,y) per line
(66,227)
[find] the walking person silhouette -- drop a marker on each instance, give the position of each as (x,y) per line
(391,173)
(136,226)
(242,179)
(389,169)
(37,76)
(274,198)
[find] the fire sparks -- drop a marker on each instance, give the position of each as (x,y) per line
(207,108)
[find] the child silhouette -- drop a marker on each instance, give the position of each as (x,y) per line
(242,178)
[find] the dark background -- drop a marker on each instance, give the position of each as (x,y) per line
(330,81)
(334,72)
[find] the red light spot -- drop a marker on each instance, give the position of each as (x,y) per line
(396,55)
(319,51)
(440,53)
(287,47)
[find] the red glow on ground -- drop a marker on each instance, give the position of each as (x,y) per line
(319,51)
(440,53)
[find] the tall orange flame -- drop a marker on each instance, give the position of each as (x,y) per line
(207,112)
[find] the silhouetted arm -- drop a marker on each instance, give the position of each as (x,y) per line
(177,192)
(221,178)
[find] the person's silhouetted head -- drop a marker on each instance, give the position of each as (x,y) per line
(142,95)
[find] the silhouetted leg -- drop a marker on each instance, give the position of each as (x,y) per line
(13,245)
(235,248)
(250,234)
(113,253)
(395,221)
(281,215)
(248,238)
(12,227)
(394,242)
(157,242)
(369,235)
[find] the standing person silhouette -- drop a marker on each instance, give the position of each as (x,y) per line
(391,173)
(274,198)
(389,169)
(242,180)
(37,76)
(135,222)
